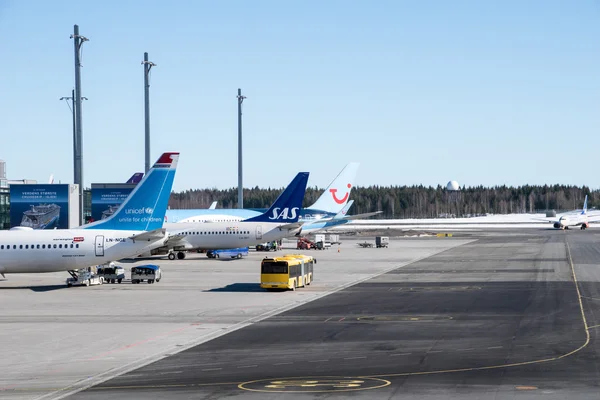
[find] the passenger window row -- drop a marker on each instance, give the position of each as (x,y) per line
(38,246)
(216,233)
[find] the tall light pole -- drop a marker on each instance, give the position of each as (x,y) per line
(72,109)
(147,67)
(240,99)
(78,42)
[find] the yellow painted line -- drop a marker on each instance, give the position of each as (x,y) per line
(526,387)
(518,364)
(337,384)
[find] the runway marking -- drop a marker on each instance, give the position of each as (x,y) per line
(319,384)
(517,364)
(341,319)
(327,319)
(315,361)
(526,387)
(469,349)
(354,358)
(495,347)
(400,354)
(435,351)
(594,326)
(212,369)
(247,366)
(283,363)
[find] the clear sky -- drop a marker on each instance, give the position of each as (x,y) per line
(419,92)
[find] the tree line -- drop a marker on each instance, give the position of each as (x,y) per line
(413,201)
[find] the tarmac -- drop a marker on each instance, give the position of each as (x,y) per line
(500,314)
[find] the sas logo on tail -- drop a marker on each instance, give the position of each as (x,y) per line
(285,213)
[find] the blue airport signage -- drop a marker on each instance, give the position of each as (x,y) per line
(39,206)
(107,197)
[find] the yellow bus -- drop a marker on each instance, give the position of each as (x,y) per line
(288,272)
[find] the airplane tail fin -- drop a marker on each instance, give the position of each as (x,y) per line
(146,206)
(287,206)
(135,178)
(336,195)
(585,205)
(213,205)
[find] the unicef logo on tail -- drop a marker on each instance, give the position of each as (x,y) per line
(286,213)
(139,211)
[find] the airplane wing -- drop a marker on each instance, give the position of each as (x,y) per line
(291,227)
(150,235)
(360,216)
(178,242)
(350,217)
(545,220)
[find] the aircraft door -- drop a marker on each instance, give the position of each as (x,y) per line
(100,246)
(259,232)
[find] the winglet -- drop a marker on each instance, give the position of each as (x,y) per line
(344,210)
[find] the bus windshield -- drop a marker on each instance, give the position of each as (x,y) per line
(274,267)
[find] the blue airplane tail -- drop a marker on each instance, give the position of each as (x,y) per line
(287,206)
(146,206)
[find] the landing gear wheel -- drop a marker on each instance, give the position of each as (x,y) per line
(171,256)
(180,255)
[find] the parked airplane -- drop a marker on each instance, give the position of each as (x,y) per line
(134,228)
(279,221)
(574,218)
(331,201)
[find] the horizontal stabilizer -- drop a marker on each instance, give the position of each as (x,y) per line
(150,235)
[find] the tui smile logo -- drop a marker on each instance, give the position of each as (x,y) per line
(343,199)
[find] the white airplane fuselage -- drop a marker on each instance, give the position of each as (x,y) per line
(573,220)
(69,249)
(225,235)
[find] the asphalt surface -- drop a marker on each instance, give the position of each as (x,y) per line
(500,317)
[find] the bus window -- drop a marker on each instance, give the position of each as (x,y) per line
(274,267)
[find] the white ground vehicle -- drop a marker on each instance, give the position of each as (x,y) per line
(85,277)
(112,273)
(149,273)
(382,241)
